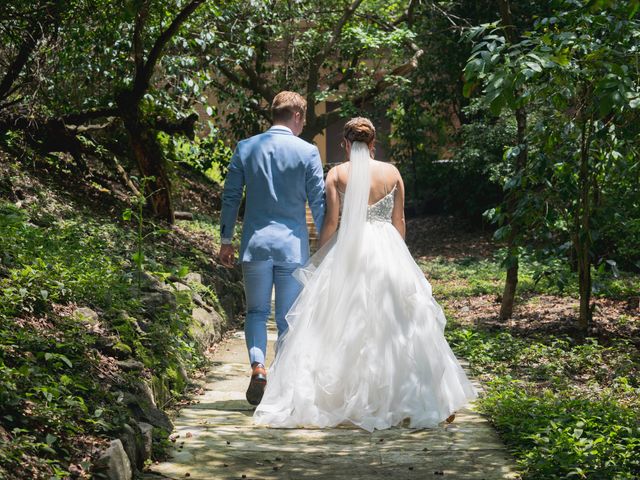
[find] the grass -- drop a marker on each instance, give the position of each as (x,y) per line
(471,276)
(60,392)
(567,407)
(203,223)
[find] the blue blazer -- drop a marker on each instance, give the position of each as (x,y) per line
(281,172)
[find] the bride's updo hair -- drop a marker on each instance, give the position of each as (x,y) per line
(360,129)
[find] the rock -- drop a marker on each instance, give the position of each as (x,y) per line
(182,372)
(106,342)
(112,346)
(146,412)
(149,282)
(146,392)
(183,215)
(193,277)
(206,326)
(123,317)
(180,287)
(147,438)
(155,301)
(133,443)
(114,463)
(130,364)
(161,391)
(198,300)
(122,350)
(85,314)
(158,418)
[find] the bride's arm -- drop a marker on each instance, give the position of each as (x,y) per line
(397,216)
(332,215)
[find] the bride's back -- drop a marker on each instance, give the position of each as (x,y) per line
(384,178)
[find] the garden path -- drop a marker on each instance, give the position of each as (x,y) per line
(215,439)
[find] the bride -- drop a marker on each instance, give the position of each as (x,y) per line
(365,342)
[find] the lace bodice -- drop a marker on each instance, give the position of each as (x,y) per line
(379,211)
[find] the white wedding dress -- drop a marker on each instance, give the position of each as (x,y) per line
(365,342)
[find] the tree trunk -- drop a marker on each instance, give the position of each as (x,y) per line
(513,262)
(511,282)
(151,163)
(142,137)
(414,173)
(584,272)
(582,234)
(152,166)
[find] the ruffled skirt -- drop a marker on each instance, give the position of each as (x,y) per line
(372,353)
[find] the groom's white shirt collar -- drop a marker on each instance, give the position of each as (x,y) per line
(282,128)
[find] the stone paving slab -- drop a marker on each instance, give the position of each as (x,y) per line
(216,439)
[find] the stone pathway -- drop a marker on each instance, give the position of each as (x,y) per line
(215,439)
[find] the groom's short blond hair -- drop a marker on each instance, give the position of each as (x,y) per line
(286,104)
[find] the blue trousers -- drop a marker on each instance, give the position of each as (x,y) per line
(259,280)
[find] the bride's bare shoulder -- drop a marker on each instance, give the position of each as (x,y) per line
(339,173)
(388,169)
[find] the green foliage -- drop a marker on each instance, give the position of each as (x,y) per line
(567,409)
(137,216)
(557,361)
(40,264)
(450,150)
(572,73)
(51,395)
(126,68)
(576,100)
(209,155)
(325,50)
(541,272)
(565,436)
(465,277)
(59,393)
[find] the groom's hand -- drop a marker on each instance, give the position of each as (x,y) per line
(227,255)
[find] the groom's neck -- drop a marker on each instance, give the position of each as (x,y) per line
(283,124)
(291,125)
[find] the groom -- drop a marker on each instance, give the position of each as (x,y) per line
(281,173)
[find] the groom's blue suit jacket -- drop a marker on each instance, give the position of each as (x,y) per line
(281,173)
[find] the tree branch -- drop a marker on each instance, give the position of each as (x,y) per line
(255,106)
(18,63)
(257,84)
(82,117)
(348,75)
(507,20)
(185,126)
(142,81)
(408,15)
(80,129)
(37,31)
(337,31)
(138,48)
(230,74)
(313,79)
(322,121)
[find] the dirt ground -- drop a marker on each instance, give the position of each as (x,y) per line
(450,238)
(447,237)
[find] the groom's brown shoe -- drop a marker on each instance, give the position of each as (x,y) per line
(257,384)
